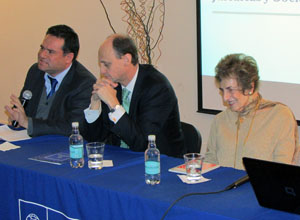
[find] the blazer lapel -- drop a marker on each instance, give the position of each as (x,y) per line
(138,87)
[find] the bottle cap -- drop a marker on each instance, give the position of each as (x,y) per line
(151,137)
(75,124)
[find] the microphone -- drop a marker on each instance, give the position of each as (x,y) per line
(238,182)
(26,96)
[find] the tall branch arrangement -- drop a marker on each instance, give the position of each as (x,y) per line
(141,20)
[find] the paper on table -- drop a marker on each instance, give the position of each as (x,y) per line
(184,179)
(12,135)
(108,163)
(57,158)
(8,146)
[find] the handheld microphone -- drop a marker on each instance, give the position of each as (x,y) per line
(238,182)
(26,96)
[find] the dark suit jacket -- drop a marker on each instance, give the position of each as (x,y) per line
(153,110)
(72,97)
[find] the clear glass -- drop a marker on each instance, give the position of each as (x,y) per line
(95,152)
(193,166)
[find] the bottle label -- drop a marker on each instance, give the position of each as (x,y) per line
(76,151)
(152,167)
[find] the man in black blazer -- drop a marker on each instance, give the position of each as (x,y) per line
(153,103)
(60,86)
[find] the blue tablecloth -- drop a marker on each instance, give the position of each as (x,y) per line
(29,188)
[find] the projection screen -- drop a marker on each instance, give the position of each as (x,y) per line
(268,30)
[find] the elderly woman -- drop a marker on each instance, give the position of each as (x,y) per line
(250,126)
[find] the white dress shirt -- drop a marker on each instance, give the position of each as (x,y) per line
(59,79)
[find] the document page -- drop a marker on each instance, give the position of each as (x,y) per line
(13,135)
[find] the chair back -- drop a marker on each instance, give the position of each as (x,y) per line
(192,138)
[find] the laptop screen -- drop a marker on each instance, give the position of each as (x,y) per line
(276,185)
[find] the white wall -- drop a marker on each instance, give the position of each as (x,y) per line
(24,23)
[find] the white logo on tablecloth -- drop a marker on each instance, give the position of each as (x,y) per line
(32,216)
(36,211)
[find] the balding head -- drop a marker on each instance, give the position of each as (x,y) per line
(118,58)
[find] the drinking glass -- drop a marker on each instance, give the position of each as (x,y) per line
(193,165)
(95,151)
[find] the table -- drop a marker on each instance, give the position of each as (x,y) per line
(34,189)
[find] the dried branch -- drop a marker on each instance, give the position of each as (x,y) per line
(107,16)
(141,20)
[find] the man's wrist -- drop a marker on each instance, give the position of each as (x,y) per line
(95,105)
(115,108)
(24,123)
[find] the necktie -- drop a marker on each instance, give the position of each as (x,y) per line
(125,99)
(125,104)
(53,85)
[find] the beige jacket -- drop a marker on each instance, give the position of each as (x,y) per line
(273,136)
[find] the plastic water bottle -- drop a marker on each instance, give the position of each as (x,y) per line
(76,147)
(152,162)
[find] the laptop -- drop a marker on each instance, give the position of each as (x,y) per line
(276,185)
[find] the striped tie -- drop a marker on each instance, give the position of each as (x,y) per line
(125,104)
(53,85)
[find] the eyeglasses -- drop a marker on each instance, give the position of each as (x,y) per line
(230,90)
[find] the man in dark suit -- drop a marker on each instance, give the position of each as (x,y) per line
(59,84)
(149,108)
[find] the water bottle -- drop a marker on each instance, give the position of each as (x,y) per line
(152,162)
(76,147)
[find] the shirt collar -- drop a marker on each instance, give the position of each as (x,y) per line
(59,77)
(131,84)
